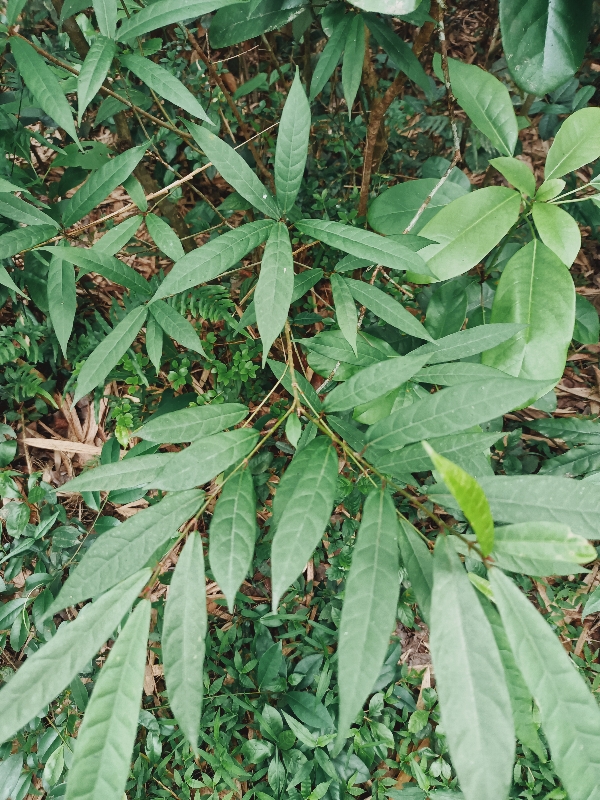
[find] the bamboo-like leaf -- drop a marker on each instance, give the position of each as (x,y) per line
(93,72)
(13,9)
(328,60)
(107,734)
(399,52)
(92,260)
(176,326)
(418,562)
(18,210)
(184,632)
(469,342)
(165,237)
(106,16)
(14,242)
(125,474)
(188,424)
(456,373)
(166,12)
(117,237)
(345,309)
(292,145)
(354,56)
(247,20)
(275,286)
(305,389)
(386,308)
(154,342)
(62,299)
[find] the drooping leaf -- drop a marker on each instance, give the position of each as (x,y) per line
(474,701)
(418,562)
(469,342)
(232,534)
(117,237)
(164,237)
(176,326)
(107,734)
(93,72)
(558,231)
(516,172)
(292,145)
(184,632)
(398,50)
(247,20)
(576,144)
(192,423)
(345,309)
(62,299)
(165,12)
(106,16)
(386,308)
(328,60)
(394,209)
(369,610)
(14,242)
(273,293)
(14,208)
(91,260)
(154,343)
(354,56)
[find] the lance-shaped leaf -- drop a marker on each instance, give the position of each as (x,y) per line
(577,461)
(303,520)
(109,352)
(18,210)
(116,238)
(345,309)
(576,144)
(369,610)
(154,343)
(364,244)
(6,280)
(569,713)
(106,737)
(354,56)
(235,170)
(188,424)
(470,497)
(386,308)
(183,635)
(106,16)
(418,562)
(176,326)
(275,286)
(469,342)
(165,12)
(247,20)
(333,346)
(123,550)
(292,145)
(43,85)
(456,373)
(166,85)
(399,51)
(474,701)
(574,430)
(558,231)
(14,242)
(328,60)
(93,72)
(232,534)
(101,183)
(62,298)
(50,669)
(213,258)
(124,474)
(516,172)
(306,391)
(165,237)
(91,260)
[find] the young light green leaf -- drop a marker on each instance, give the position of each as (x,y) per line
(470,497)
(273,293)
(49,670)
(456,373)
(536,290)
(107,734)
(328,60)
(354,56)
(91,260)
(395,208)
(569,713)
(94,71)
(43,85)
(364,244)
(101,183)
(550,189)
(166,85)
(516,172)
(165,237)
(386,308)
(558,231)
(213,258)
(154,342)
(117,237)
(18,210)
(369,610)
(399,52)
(418,562)
(235,170)
(345,310)
(176,326)
(592,604)
(314,481)
(165,12)
(106,16)
(184,632)
(474,700)
(391,7)
(577,143)
(232,534)
(192,423)
(467,229)
(62,299)
(292,145)
(123,550)
(469,342)
(109,352)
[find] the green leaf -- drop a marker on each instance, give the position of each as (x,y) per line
(117,237)
(247,20)
(452,410)
(447,308)
(328,60)
(213,258)
(62,299)
(109,352)
(232,534)
(91,260)
(364,244)
(165,12)
(516,172)
(577,461)
(418,562)
(93,72)
(292,145)
(333,346)
(273,293)
(176,326)
(470,497)
(106,16)
(569,713)
(550,189)
(123,550)
(467,229)
(14,242)
(386,308)
(398,50)
(125,474)
(314,482)
(100,184)
(43,85)
(49,670)
(474,700)
(586,329)
(305,390)
(192,423)
(541,548)
(310,710)
(456,373)
(470,342)
(184,632)
(136,193)
(369,610)
(373,382)
(345,310)
(13,9)
(394,209)
(592,604)
(18,210)
(558,231)
(535,289)
(391,7)
(354,56)
(154,342)
(235,170)
(166,85)
(544,41)
(165,237)
(107,734)
(577,143)
(573,430)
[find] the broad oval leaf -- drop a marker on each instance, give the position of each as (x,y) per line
(345,309)
(93,72)
(165,12)
(164,237)
(418,562)
(447,308)
(328,60)
(577,143)
(18,210)
(192,423)
(14,242)
(247,20)
(176,326)
(292,145)
(275,286)
(394,209)
(558,231)
(386,308)
(62,299)
(354,56)
(469,342)
(516,172)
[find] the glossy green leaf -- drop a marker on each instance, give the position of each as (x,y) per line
(305,390)
(62,299)
(164,237)
(516,172)
(176,326)
(369,609)
(154,343)
(292,145)
(587,328)
(569,713)
(192,423)
(107,734)
(49,670)
(298,533)
(394,209)
(558,231)
(247,20)
(576,144)
(165,12)
(100,184)
(91,260)
(467,229)
(386,308)
(536,290)
(14,208)
(328,60)
(275,285)
(418,562)
(456,373)
(345,309)
(550,189)
(14,242)
(354,56)
(474,701)
(467,343)
(117,237)
(232,534)
(93,72)
(447,308)
(106,16)
(399,51)
(165,84)
(183,635)
(43,85)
